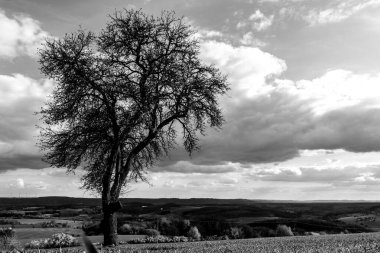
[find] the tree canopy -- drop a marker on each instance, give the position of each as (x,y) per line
(123,96)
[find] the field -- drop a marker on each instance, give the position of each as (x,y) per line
(25,235)
(371,221)
(215,219)
(369,243)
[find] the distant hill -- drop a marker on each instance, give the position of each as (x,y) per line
(78,202)
(69,201)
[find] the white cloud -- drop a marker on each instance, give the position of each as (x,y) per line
(20,98)
(249,39)
(20,35)
(247,67)
(338,13)
(39,182)
(336,176)
(208,34)
(17,87)
(366,177)
(260,22)
(336,89)
(20,183)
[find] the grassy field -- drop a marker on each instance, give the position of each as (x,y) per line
(37,221)
(369,243)
(369,221)
(25,235)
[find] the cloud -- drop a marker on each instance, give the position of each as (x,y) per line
(20,35)
(249,39)
(338,13)
(39,182)
(336,89)
(353,128)
(269,119)
(258,21)
(20,183)
(336,176)
(187,167)
(20,98)
(205,34)
(248,68)
(230,181)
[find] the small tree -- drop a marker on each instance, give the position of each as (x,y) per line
(121,97)
(194,233)
(283,230)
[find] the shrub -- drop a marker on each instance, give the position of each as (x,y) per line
(180,239)
(126,229)
(236,233)
(7,240)
(132,229)
(264,232)
(248,232)
(91,228)
(59,240)
(7,232)
(152,232)
(283,230)
(217,238)
(194,233)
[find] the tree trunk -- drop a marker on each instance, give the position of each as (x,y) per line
(109,227)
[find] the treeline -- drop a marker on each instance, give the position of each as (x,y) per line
(219,229)
(211,230)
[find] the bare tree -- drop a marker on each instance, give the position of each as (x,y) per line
(121,97)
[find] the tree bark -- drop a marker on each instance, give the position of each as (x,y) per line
(109,227)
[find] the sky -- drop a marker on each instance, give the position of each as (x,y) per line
(302,116)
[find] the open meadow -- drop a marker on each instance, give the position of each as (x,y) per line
(358,243)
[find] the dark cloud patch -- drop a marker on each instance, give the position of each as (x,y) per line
(352,128)
(186,167)
(21,161)
(275,127)
(259,130)
(334,176)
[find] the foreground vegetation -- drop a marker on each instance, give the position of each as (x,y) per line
(192,225)
(317,244)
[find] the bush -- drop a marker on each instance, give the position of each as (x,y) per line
(264,232)
(236,233)
(159,239)
(194,233)
(126,229)
(217,238)
(180,239)
(248,232)
(7,232)
(283,230)
(132,229)
(152,232)
(7,240)
(59,240)
(92,228)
